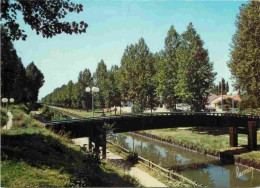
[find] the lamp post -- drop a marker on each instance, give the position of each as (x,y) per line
(92,90)
(5,100)
(11,101)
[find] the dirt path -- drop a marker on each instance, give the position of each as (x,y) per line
(10,121)
(144,178)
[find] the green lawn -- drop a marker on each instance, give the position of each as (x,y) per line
(83,113)
(213,141)
(33,156)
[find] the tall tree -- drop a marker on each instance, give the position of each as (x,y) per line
(244,63)
(137,71)
(100,79)
(43,16)
(35,81)
(85,80)
(12,69)
(195,71)
(166,69)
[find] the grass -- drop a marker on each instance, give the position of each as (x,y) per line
(33,156)
(204,141)
(83,113)
(251,156)
(4,117)
(213,141)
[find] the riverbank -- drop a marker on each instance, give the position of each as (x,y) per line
(33,156)
(151,171)
(203,140)
(210,142)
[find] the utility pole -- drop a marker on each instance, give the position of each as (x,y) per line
(221,94)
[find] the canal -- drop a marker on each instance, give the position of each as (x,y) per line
(201,168)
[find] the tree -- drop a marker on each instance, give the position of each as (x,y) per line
(195,71)
(244,61)
(137,71)
(35,81)
(43,16)
(13,71)
(100,77)
(166,69)
(85,80)
(112,92)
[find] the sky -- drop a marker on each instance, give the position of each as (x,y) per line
(117,23)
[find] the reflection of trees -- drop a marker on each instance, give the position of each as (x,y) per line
(121,140)
(200,176)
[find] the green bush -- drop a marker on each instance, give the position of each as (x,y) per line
(4,117)
(132,157)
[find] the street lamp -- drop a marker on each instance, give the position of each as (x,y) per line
(93,90)
(11,101)
(5,100)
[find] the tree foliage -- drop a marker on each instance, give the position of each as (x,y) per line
(195,72)
(180,73)
(13,75)
(137,71)
(166,69)
(244,63)
(17,82)
(34,81)
(46,17)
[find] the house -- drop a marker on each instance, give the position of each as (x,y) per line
(215,102)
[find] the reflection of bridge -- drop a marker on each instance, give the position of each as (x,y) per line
(92,127)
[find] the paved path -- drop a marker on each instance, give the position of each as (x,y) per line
(144,178)
(10,121)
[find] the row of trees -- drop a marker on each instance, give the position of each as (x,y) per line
(181,72)
(17,82)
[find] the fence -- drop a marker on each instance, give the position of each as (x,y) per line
(169,174)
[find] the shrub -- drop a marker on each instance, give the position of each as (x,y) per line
(4,117)
(132,157)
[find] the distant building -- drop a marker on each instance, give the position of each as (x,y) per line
(215,102)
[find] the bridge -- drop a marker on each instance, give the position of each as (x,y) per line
(94,127)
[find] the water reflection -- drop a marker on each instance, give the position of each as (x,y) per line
(201,168)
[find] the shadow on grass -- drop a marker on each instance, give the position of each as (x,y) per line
(42,151)
(211,130)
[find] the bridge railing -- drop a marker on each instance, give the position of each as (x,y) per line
(136,115)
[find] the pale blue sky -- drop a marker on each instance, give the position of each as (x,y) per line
(115,24)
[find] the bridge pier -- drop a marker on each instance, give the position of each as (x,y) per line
(252,135)
(233,136)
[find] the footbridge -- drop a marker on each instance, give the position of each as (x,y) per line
(96,127)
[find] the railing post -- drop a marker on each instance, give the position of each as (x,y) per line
(233,136)
(252,135)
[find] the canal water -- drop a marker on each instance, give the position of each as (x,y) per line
(201,168)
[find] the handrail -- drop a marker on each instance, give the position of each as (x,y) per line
(156,114)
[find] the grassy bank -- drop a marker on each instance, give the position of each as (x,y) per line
(4,117)
(207,140)
(33,156)
(84,113)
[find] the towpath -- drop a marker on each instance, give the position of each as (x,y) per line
(10,121)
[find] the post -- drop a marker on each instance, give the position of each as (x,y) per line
(252,135)
(233,136)
(92,104)
(221,96)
